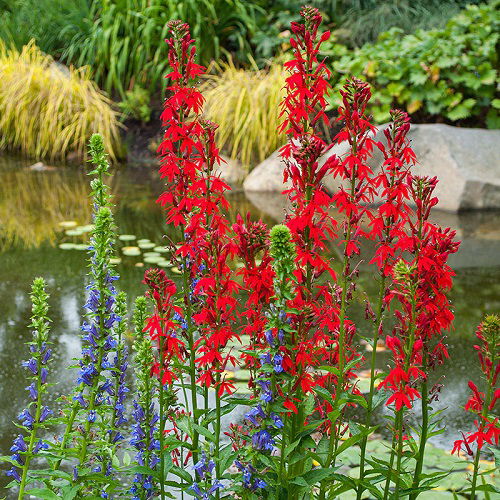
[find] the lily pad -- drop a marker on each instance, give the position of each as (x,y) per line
(175,270)
(161,249)
(67,246)
(151,254)
(67,224)
(126,237)
(115,260)
(242,375)
(139,264)
(144,240)
(145,245)
(131,251)
(73,232)
(81,246)
(165,263)
(242,388)
(153,260)
(85,229)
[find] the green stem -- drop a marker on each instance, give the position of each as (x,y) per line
(391,461)
(369,408)
(192,356)
(91,407)
(217,434)
(161,390)
(31,444)
(484,413)
(423,436)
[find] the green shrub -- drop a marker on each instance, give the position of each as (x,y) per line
(136,104)
(448,74)
(124,40)
(52,23)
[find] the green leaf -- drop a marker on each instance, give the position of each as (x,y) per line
(182,473)
(205,432)
(43,493)
(315,476)
(325,394)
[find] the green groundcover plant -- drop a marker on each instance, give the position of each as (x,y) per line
(284,314)
(448,74)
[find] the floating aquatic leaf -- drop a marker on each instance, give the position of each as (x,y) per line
(146,246)
(67,224)
(67,246)
(165,263)
(153,260)
(161,249)
(84,229)
(144,240)
(151,254)
(242,388)
(126,237)
(115,260)
(242,375)
(81,246)
(73,232)
(139,264)
(131,251)
(175,270)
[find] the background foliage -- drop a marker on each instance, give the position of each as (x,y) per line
(412,54)
(244,104)
(47,110)
(441,75)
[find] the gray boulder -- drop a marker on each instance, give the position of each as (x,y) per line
(267,176)
(466,162)
(231,171)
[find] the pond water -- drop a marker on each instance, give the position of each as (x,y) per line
(32,204)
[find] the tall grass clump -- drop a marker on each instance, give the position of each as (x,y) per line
(244,103)
(123,41)
(52,23)
(47,110)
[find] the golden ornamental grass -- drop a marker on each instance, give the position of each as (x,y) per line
(245,104)
(47,110)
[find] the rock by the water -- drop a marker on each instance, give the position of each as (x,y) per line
(267,176)
(231,171)
(40,167)
(466,162)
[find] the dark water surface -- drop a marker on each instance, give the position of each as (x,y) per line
(33,203)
